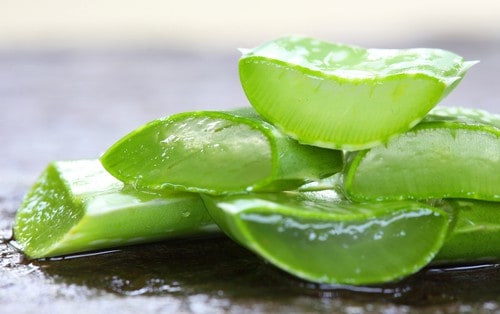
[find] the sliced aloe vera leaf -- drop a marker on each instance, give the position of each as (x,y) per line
(448,155)
(319,237)
(76,206)
(475,233)
(464,115)
(346,97)
(216,153)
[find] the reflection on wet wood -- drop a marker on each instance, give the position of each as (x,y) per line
(217,266)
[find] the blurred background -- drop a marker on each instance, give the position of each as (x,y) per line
(222,25)
(75,76)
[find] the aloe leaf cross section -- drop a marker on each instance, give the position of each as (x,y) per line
(345,97)
(319,237)
(474,235)
(453,153)
(217,152)
(76,206)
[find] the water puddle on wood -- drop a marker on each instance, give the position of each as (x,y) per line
(218,267)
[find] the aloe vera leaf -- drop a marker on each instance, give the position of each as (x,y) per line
(448,155)
(319,237)
(464,115)
(345,97)
(76,206)
(217,152)
(474,234)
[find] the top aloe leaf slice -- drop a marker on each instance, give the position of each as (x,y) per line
(320,237)
(345,97)
(453,153)
(76,206)
(217,153)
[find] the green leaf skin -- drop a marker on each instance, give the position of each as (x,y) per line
(319,237)
(475,233)
(217,153)
(345,97)
(453,153)
(76,206)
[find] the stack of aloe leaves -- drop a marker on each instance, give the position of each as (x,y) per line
(341,172)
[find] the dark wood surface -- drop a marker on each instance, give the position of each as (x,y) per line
(58,105)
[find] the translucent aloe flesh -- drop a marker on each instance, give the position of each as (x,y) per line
(216,153)
(475,233)
(77,206)
(318,237)
(453,153)
(345,97)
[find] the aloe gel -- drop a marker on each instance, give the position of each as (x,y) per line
(453,153)
(474,235)
(76,206)
(217,153)
(320,237)
(345,97)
